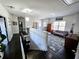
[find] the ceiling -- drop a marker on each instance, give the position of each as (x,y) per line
(41,8)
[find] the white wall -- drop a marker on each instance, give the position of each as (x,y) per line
(77,25)
(27,23)
(39,38)
(3,12)
(72,19)
(15,28)
(30,22)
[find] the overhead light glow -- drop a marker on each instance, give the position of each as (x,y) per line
(27,19)
(68,2)
(27,10)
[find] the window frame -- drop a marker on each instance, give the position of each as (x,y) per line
(59,26)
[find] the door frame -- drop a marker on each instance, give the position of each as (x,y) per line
(5,27)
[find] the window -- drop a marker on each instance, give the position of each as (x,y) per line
(44,24)
(27,19)
(39,24)
(59,25)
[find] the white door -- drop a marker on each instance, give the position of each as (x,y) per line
(3,29)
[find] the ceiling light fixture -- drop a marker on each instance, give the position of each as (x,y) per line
(69,2)
(27,19)
(26,10)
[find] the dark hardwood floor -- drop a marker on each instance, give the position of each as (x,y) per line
(13,51)
(62,54)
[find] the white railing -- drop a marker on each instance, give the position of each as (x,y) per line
(77,53)
(22,49)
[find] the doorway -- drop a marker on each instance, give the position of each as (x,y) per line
(20,26)
(4,29)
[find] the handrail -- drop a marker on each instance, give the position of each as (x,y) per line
(22,49)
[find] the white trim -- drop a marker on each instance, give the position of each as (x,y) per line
(22,49)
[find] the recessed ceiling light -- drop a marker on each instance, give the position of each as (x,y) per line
(27,10)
